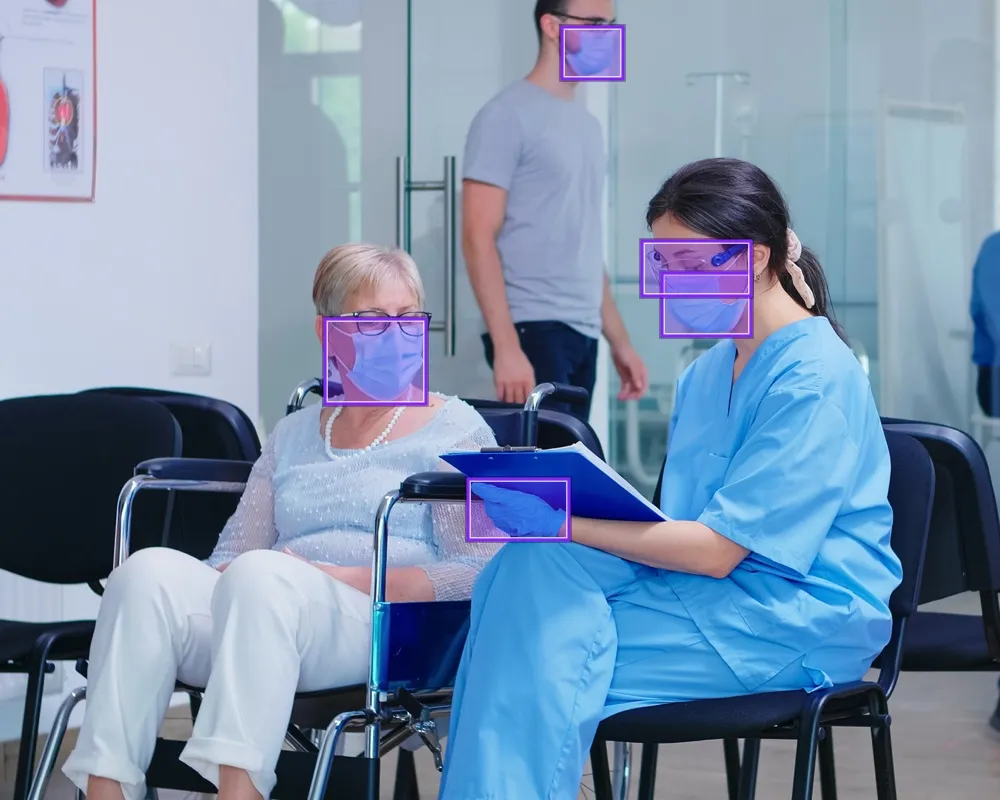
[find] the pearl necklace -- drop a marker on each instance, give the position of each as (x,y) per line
(378,439)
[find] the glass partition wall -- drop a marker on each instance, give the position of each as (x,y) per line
(876,119)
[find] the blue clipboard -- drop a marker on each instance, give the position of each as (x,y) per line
(596,490)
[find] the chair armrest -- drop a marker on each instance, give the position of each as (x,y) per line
(434,486)
(196,469)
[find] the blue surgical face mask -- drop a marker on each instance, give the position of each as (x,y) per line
(386,364)
(598,50)
(707,314)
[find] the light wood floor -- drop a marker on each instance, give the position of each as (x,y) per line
(944,750)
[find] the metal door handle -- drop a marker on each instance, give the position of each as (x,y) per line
(448,185)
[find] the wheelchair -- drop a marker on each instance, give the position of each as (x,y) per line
(415,647)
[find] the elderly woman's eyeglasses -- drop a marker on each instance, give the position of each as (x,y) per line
(375,323)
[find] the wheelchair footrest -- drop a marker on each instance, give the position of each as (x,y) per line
(350,778)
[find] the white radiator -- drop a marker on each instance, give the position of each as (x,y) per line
(30,601)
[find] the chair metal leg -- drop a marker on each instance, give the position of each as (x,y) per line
(29,724)
(647,771)
(621,769)
(731,755)
(47,761)
(747,788)
(827,766)
(805,760)
(885,770)
(600,770)
(406,777)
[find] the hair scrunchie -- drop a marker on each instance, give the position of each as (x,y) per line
(798,277)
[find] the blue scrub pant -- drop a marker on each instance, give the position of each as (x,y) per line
(561,637)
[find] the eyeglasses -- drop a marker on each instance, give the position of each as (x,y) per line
(375,323)
(587,20)
(659,262)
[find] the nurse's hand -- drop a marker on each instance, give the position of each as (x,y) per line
(513,375)
(631,370)
(518,513)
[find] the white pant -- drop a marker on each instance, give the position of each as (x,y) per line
(269,626)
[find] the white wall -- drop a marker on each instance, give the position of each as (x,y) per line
(95,294)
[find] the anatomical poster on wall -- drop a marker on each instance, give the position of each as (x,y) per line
(48,100)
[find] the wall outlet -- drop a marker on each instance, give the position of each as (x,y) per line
(192,360)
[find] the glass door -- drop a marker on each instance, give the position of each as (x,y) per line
(310,128)
(460,55)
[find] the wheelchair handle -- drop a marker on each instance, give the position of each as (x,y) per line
(574,395)
(561,392)
(302,391)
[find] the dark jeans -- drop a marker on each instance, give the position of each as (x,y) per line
(559,354)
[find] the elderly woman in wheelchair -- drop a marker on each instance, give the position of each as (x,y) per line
(282,605)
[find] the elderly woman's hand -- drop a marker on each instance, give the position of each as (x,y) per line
(356,577)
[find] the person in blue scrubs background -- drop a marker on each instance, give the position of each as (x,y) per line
(985,311)
(773,574)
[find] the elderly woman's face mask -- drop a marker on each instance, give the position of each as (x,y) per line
(388,353)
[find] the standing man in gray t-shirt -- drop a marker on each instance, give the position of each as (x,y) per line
(531,230)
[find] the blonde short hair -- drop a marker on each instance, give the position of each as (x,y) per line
(351,268)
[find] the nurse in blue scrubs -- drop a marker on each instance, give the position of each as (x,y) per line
(774,573)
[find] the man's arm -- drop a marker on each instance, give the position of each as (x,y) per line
(483,210)
(628,364)
(611,321)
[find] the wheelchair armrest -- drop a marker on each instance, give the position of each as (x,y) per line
(434,486)
(196,469)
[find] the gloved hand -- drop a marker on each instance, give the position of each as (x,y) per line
(519,513)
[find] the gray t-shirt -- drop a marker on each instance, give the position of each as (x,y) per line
(548,154)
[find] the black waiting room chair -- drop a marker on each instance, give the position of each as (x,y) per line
(63,460)
(805,717)
(212,429)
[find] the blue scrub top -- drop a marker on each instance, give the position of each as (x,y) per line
(790,462)
(985,305)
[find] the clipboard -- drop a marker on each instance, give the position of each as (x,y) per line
(596,490)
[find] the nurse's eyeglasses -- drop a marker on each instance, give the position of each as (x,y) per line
(596,21)
(375,323)
(659,262)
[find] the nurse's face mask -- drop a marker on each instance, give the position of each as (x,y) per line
(388,354)
(683,270)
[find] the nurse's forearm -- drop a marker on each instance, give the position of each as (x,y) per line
(679,546)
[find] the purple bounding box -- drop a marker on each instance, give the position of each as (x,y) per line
(375,360)
(591,53)
(695,268)
(706,318)
(518,510)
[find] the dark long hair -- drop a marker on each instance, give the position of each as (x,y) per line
(725,198)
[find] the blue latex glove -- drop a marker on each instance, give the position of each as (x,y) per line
(518,513)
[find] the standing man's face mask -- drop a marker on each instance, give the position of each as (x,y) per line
(708,314)
(598,50)
(386,364)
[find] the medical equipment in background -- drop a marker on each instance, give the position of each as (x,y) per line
(694,78)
